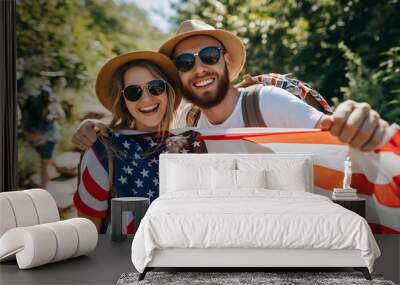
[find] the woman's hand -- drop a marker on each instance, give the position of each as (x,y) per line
(355,124)
(86,134)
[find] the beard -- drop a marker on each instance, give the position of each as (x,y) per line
(209,99)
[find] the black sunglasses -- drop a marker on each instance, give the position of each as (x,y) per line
(134,92)
(208,55)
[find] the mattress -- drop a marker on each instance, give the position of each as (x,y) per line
(250,219)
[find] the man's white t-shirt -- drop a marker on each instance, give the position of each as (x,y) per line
(279,108)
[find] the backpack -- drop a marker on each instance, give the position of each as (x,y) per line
(251,88)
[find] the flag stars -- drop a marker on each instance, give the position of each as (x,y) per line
(153,144)
(139,183)
(196,144)
(150,194)
(127,170)
(122,180)
(145,173)
(155,181)
(134,163)
(126,144)
(152,161)
(137,156)
(134,191)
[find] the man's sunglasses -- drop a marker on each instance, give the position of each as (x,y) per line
(134,92)
(208,55)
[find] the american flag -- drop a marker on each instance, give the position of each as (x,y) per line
(376,175)
(135,169)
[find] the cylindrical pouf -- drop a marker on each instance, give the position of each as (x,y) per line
(87,235)
(33,246)
(23,208)
(67,239)
(7,218)
(40,244)
(45,205)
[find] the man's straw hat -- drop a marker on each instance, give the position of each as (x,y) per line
(232,44)
(106,74)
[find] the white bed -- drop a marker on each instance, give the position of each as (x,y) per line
(202,220)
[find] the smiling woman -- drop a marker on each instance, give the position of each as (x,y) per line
(141,90)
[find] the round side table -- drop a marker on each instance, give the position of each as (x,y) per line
(138,205)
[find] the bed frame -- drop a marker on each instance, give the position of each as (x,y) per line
(260,259)
(246,259)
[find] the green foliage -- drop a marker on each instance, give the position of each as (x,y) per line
(372,85)
(70,40)
(302,37)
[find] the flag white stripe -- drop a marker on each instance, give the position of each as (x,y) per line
(90,201)
(96,170)
(330,156)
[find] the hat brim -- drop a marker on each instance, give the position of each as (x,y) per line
(106,74)
(232,44)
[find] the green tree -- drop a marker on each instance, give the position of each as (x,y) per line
(72,39)
(302,37)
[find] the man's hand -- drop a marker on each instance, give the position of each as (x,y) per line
(355,124)
(86,134)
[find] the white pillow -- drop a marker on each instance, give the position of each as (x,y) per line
(251,178)
(184,177)
(223,179)
(292,179)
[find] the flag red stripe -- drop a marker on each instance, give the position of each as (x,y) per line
(328,179)
(299,137)
(92,187)
(303,90)
(131,227)
(381,229)
(392,145)
(273,79)
(82,207)
(322,137)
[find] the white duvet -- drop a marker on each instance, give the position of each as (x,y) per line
(253,218)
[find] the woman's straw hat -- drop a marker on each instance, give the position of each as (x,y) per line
(106,74)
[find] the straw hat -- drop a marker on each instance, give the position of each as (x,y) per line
(106,74)
(231,42)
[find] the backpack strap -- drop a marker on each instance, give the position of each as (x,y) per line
(193,116)
(252,116)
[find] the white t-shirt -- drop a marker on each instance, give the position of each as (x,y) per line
(279,108)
